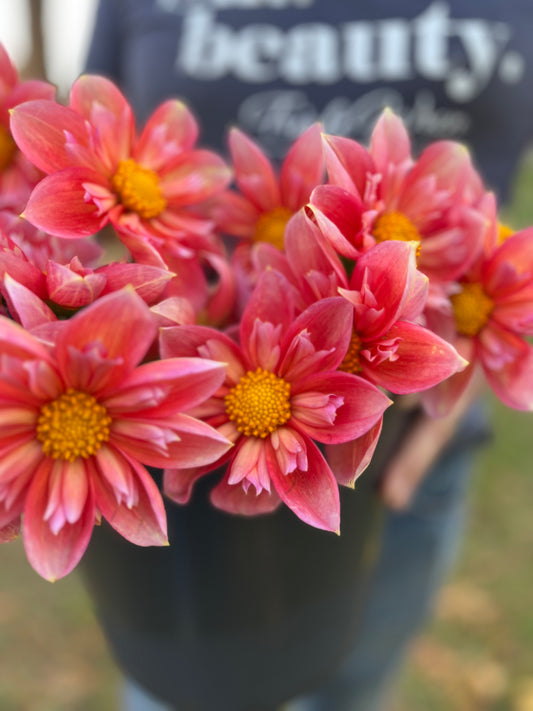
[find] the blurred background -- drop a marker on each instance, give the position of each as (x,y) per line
(477,655)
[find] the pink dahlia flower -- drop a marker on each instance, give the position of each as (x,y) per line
(283,391)
(385,194)
(488,316)
(81,420)
(17,174)
(99,170)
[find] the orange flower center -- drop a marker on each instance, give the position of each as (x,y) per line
(270,227)
(73,425)
(504,231)
(471,308)
(8,148)
(351,362)
(395,226)
(138,189)
(259,403)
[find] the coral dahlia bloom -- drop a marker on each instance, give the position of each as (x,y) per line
(265,201)
(99,170)
(384,194)
(283,391)
(17,174)
(80,421)
(488,318)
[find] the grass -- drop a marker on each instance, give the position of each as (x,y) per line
(477,655)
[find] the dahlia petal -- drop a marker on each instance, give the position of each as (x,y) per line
(40,129)
(362,407)
(235,500)
(302,169)
(103,105)
(269,304)
(507,361)
(317,340)
(167,386)
(170,131)
(422,360)
(53,555)
(57,205)
(147,280)
(178,483)
(188,442)
(72,290)
(348,460)
(144,523)
(339,217)
(125,340)
(254,174)
(312,494)
(25,306)
(74,490)
(348,164)
(199,175)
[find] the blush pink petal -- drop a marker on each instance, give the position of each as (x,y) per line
(53,555)
(25,307)
(197,176)
(254,174)
(170,130)
(348,164)
(362,406)
(67,288)
(390,147)
(422,360)
(57,205)
(317,340)
(507,361)
(183,442)
(268,303)
(235,500)
(302,169)
(40,129)
(313,494)
(143,523)
(160,388)
(147,280)
(125,338)
(348,460)
(339,217)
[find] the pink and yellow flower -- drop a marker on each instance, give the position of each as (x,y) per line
(17,174)
(82,419)
(283,391)
(99,170)
(384,194)
(488,316)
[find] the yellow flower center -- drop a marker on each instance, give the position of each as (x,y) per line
(8,148)
(504,231)
(270,227)
(259,403)
(395,226)
(138,189)
(471,308)
(351,362)
(73,425)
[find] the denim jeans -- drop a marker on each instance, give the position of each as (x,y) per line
(417,551)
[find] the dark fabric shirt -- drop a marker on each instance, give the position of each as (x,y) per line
(453,69)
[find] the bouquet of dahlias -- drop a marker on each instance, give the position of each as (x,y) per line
(257,321)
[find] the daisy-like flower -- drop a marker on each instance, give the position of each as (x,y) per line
(488,316)
(265,200)
(385,194)
(99,170)
(79,422)
(283,391)
(17,174)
